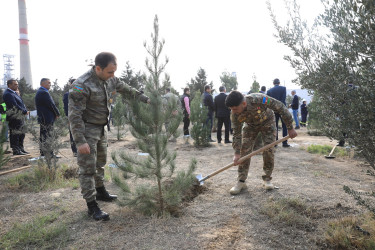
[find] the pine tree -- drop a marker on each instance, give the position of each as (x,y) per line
(134,79)
(157,188)
(3,158)
(255,86)
(198,116)
(229,81)
(196,85)
(118,117)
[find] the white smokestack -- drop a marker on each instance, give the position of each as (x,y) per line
(25,67)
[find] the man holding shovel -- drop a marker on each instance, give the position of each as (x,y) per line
(251,115)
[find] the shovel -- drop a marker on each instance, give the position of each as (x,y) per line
(330,154)
(244,158)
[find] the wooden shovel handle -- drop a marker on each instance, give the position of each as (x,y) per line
(15,170)
(244,158)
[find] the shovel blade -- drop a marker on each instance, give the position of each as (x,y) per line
(199,178)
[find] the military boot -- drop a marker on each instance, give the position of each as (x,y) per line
(268,185)
(103,195)
(237,188)
(95,212)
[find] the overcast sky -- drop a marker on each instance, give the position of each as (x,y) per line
(216,35)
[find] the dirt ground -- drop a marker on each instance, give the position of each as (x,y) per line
(214,219)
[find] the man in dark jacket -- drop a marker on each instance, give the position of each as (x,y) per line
(208,101)
(47,113)
(279,93)
(66,105)
(295,107)
(15,111)
(222,115)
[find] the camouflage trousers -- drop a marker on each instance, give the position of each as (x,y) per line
(249,135)
(91,166)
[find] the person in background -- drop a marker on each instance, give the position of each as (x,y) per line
(185,105)
(66,103)
(15,112)
(304,113)
(208,101)
(262,90)
(279,93)
(3,110)
(222,114)
(47,114)
(169,96)
(295,106)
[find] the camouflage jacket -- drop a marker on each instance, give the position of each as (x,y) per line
(89,102)
(258,113)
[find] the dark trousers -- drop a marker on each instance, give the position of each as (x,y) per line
(209,122)
(303,119)
(220,122)
(72,143)
(16,136)
(186,121)
(45,139)
(285,131)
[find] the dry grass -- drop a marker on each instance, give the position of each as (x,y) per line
(289,211)
(351,232)
(43,178)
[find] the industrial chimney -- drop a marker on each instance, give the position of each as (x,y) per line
(25,67)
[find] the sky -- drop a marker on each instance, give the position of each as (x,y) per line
(216,35)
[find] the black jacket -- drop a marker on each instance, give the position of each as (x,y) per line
(209,102)
(278,92)
(45,107)
(295,102)
(220,108)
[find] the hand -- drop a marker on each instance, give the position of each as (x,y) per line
(84,149)
(175,112)
(148,101)
(292,133)
(236,157)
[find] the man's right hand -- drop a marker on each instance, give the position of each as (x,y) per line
(84,149)
(236,157)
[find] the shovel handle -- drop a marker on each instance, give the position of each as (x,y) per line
(244,158)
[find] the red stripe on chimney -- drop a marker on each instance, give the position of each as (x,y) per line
(23,31)
(25,42)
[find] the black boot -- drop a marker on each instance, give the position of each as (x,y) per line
(95,212)
(103,195)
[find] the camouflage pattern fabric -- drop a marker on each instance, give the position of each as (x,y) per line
(258,117)
(88,111)
(89,101)
(91,166)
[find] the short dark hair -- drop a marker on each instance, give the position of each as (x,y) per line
(43,80)
(234,99)
(168,89)
(263,88)
(276,81)
(207,87)
(72,80)
(222,88)
(104,58)
(186,90)
(9,82)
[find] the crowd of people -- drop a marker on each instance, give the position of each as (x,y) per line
(87,107)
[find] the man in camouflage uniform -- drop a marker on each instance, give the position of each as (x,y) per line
(89,105)
(251,115)
(170,97)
